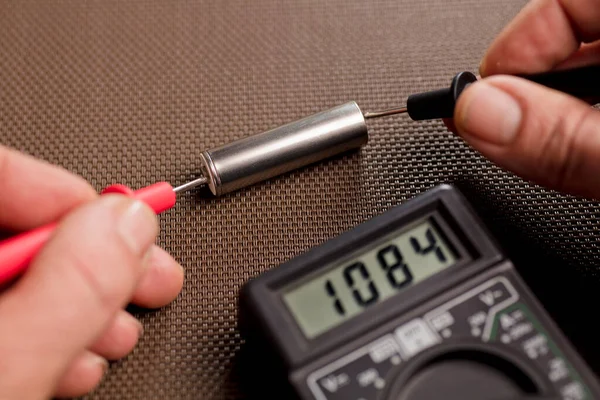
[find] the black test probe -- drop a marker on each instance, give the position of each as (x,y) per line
(583,83)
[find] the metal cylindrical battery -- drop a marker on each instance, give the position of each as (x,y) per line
(259,157)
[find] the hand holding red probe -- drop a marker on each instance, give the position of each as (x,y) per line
(64,317)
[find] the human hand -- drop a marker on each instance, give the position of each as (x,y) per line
(65,316)
(543,135)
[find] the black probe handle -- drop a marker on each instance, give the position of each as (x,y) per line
(583,83)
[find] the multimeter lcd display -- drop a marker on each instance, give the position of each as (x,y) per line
(369,278)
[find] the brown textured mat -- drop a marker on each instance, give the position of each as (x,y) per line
(131,91)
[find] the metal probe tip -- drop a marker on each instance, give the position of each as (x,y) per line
(190,185)
(391,111)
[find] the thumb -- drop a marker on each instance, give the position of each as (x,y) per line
(85,274)
(544,136)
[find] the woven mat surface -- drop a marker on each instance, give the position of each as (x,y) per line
(132,91)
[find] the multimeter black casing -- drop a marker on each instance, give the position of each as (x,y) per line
(472,331)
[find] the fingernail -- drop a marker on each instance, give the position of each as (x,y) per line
(139,326)
(138,226)
(95,360)
(490,114)
(482,66)
(130,319)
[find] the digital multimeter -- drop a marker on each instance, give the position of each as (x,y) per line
(417,303)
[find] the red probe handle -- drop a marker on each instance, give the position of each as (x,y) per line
(17,252)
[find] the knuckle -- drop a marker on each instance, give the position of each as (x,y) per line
(88,274)
(107,278)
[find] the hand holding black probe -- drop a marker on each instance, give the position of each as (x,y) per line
(544,135)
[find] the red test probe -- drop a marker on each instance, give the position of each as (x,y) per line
(17,252)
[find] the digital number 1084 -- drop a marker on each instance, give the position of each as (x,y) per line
(396,271)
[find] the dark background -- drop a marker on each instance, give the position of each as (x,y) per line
(132,91)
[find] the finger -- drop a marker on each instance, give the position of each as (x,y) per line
(71,292)
(82,376)
(35,193)
(161,283)
(544,34)
(588,54)
(540,134)
(120,338)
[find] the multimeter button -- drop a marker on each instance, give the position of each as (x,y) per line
(468,372)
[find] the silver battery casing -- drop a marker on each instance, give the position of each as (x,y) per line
(259,157)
